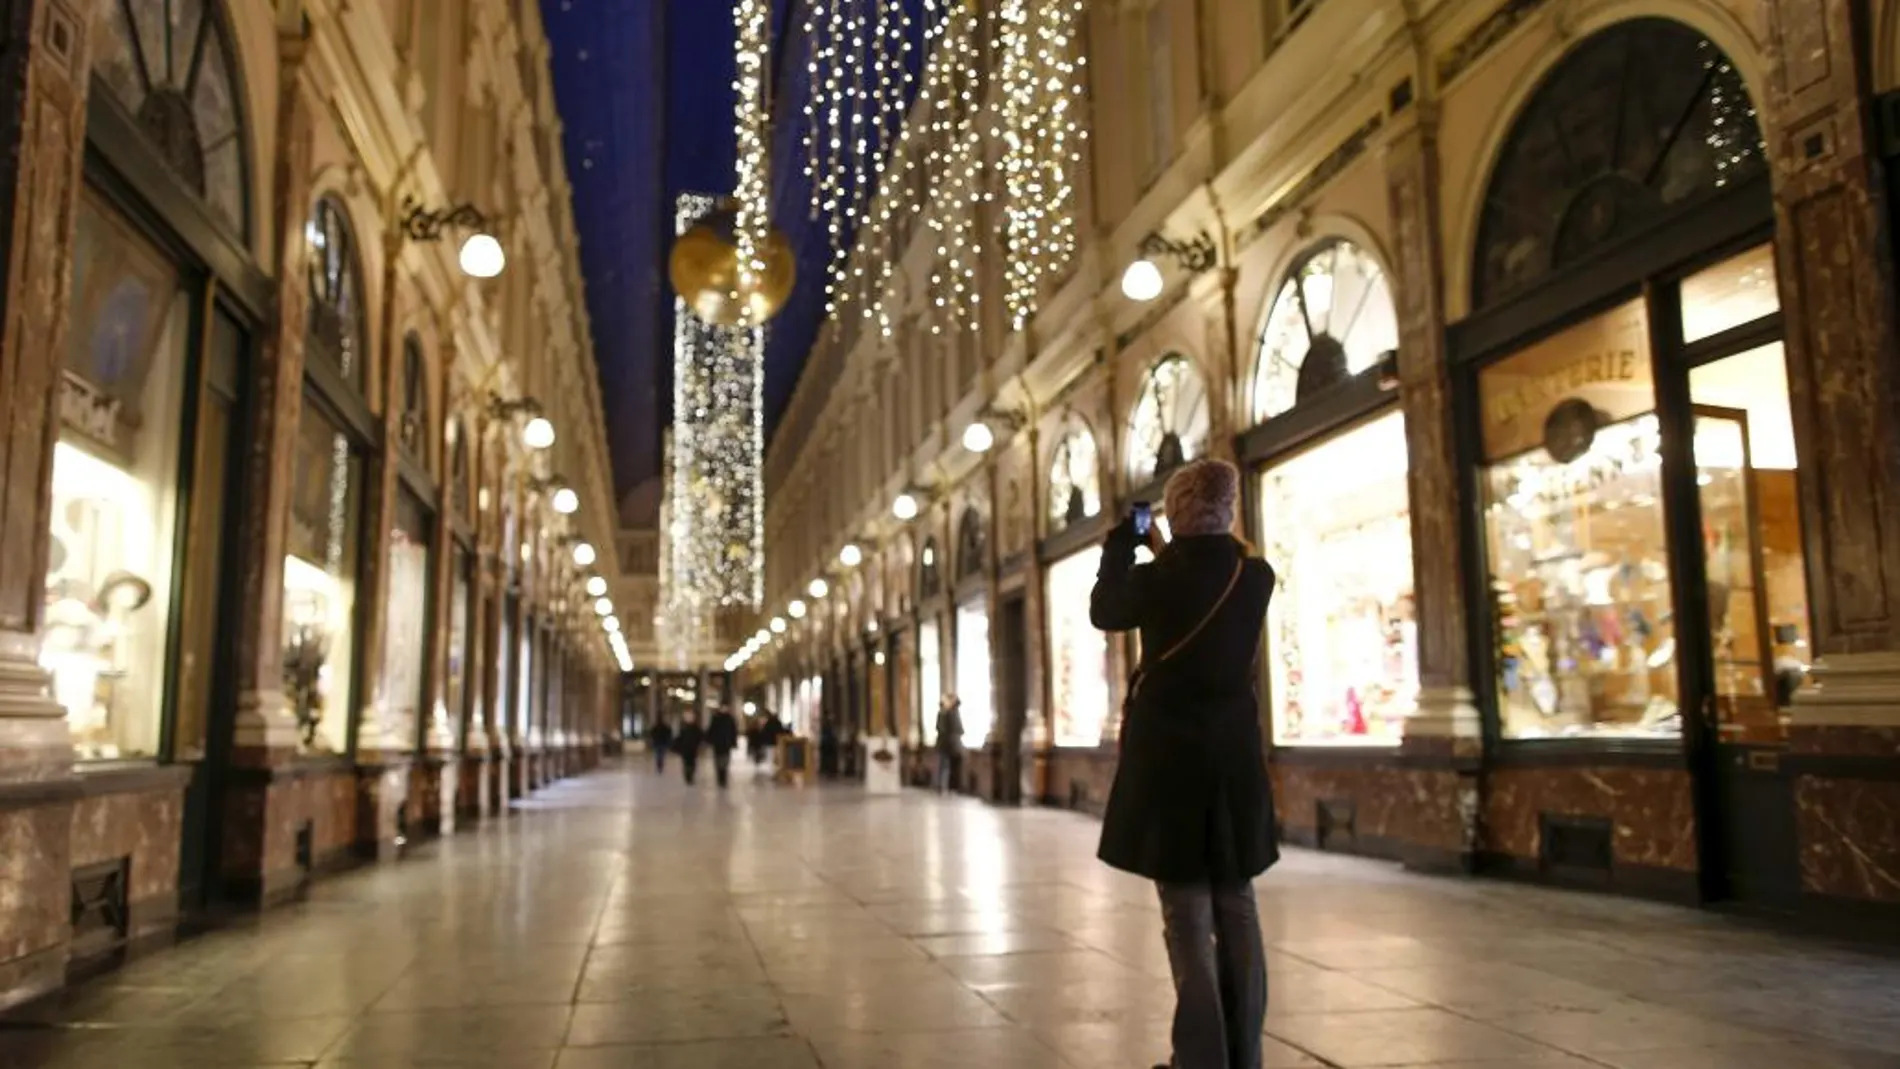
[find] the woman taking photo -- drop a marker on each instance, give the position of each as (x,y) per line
(1191,808)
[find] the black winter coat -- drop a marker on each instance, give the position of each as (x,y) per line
(689,740)
(1191,801)
(722,732)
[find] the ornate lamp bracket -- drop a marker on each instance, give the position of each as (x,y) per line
(422,224)
(1193,255)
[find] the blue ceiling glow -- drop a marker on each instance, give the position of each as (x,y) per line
(645,92)
(608,58)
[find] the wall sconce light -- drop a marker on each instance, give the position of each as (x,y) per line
(1142,280)
(905,507)
(796,610)
(481,255)
(584,554)
(538,432)
(562,497)
(980,435)
(818,589)
(851,556)
(596,586)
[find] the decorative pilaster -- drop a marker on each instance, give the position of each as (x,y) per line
(43,82)
(1443,739)
(1837,283)
(266,729)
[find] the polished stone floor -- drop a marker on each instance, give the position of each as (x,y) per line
(624,920)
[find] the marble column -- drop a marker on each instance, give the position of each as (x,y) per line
(43,81)
(386,741)
(443,735)
(1442,742)
(1837,281)
(275,802)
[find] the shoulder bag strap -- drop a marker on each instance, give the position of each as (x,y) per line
(1232,582)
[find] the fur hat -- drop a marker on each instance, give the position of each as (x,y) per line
(1200,498)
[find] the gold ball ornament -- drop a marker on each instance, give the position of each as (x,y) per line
(704,269)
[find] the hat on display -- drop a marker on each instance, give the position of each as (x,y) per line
(1200,498)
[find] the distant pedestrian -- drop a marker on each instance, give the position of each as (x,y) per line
(949,743)
(722,734)
(660,738)
(687,745)
(1190,808)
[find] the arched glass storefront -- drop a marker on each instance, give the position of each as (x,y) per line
(1333,505)
(1078,653)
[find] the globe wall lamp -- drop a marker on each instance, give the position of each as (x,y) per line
(796,610)
(562,497)
(596,586)
(851,556)
(537,433)
(818,589)
(980,436)
(909,504)
(1142,280)
(481,255)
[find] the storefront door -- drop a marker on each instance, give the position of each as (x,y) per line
(1740,550)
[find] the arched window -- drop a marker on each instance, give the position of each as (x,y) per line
(1169,426)
(1075,479)
(1638,123)
(929,572)
(170,64)
(1332,319)
(971,543)
(415,399)
(336,301)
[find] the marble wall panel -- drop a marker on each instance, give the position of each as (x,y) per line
(1844,740)
(1849,837)
(1375,789)
(35,881)
(1081,778)
(145,826)
(1651,810)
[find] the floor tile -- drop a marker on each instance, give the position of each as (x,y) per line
(619,920)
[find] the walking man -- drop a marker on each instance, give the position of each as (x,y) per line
(949,743)
(722,734)
(660,739)
(687,743)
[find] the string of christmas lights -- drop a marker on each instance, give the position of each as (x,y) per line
(715,507)
(752,222)
(1040,129)
(1020,122)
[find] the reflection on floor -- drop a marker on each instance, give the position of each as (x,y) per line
(626,920)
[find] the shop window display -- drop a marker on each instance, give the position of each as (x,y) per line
(1333,319)
(320,577)
(1342,628)
(1579,558)
(1075,480)
(460,650)
(1169,426)
(1078,653)
(929,678)
(109,582)
(406,613)
(973,673)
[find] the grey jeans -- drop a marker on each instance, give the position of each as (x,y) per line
(1220,974)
